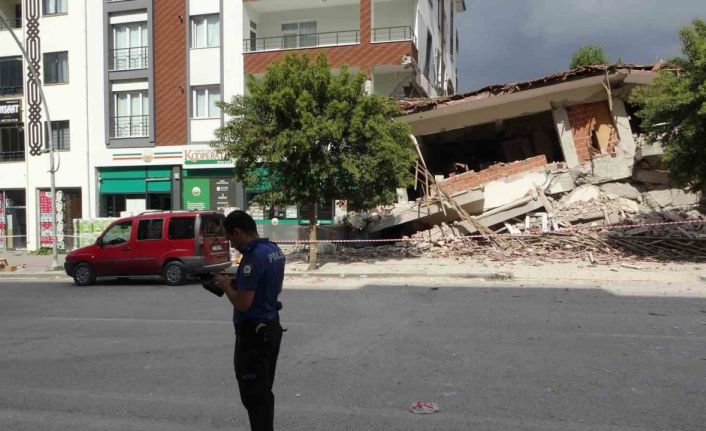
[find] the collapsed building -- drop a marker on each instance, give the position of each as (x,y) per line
(566,148)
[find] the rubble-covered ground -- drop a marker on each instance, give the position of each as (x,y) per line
(619,221)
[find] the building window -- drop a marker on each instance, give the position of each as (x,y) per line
(130,46)
(205,31)
(130,114)
(12,144)
(56,67)
(60,136)
(204,101)
(54,7)
(10,76)
(299,34)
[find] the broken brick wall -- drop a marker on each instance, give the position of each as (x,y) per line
(471,180)
(593,130)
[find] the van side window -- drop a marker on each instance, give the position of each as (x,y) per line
(181,228)
(150,229)
(213,225)
(118,234)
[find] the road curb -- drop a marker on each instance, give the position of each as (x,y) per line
(499,276)
(496,276)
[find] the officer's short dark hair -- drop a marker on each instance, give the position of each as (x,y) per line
(240,220)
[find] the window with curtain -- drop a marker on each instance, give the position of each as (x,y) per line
(53,7)
(204,100)
(205,31)
(130,46)
(60,135)
(56,67)
(131,114)
(299,34)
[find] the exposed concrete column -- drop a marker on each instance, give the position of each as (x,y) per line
(563,129)
(627,146)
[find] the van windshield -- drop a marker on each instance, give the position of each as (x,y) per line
(212,224)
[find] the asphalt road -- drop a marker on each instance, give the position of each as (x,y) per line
(149,357)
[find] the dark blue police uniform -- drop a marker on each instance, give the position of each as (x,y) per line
(258,331)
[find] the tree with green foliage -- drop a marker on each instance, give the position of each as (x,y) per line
(317,136)
(589,55)
(673,109)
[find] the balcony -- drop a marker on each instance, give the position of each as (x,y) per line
(15,23)
(300,41)
(393,34)
(129,58)
(11,90)
(12,156)
(133,126)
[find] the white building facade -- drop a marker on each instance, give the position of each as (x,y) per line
(132,87)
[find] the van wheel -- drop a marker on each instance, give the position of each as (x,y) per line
(175,273)
(84,275)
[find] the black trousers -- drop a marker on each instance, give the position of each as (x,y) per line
(256,351)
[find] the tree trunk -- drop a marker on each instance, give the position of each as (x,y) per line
(313,246)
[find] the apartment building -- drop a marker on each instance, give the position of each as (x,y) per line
(133,85)
(407,47)
(56,35)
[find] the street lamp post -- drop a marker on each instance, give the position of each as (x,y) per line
(52,170)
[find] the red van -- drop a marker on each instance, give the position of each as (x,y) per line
(173,245)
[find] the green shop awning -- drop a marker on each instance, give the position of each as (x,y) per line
(152,179)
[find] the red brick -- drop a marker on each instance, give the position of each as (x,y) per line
(170,72)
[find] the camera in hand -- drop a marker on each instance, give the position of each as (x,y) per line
(209,284)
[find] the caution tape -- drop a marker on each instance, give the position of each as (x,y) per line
(567,230)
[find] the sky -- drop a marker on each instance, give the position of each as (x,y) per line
(505,41)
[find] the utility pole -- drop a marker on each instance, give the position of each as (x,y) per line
(50,141)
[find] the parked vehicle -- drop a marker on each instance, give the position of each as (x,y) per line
(174,245)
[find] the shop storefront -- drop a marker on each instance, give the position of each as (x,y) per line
(132,190)
(209,189)
(285,215)
(13,220)
(68,209)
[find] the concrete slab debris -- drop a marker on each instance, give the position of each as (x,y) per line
(560,183)
(621,190)
(652,176)
(671,198)
(584,193)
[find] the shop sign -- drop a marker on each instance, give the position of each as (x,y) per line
(3,225)
(197,193)
(205,157)
(9,111)
(46,230)
(148,156)
(222,193)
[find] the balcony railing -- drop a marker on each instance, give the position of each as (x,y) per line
(133,126)
(14,22)
(298,41)
(393,34)
(12,156)
(11,90)
(129,58)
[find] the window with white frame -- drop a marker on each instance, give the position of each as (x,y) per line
(56,67)
(130,46)
(60,136)
(205,31)
(54,7)
(204,101)
(131,114)
(298,34)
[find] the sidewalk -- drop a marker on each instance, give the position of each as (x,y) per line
(37,267)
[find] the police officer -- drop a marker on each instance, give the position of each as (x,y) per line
(254,293)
